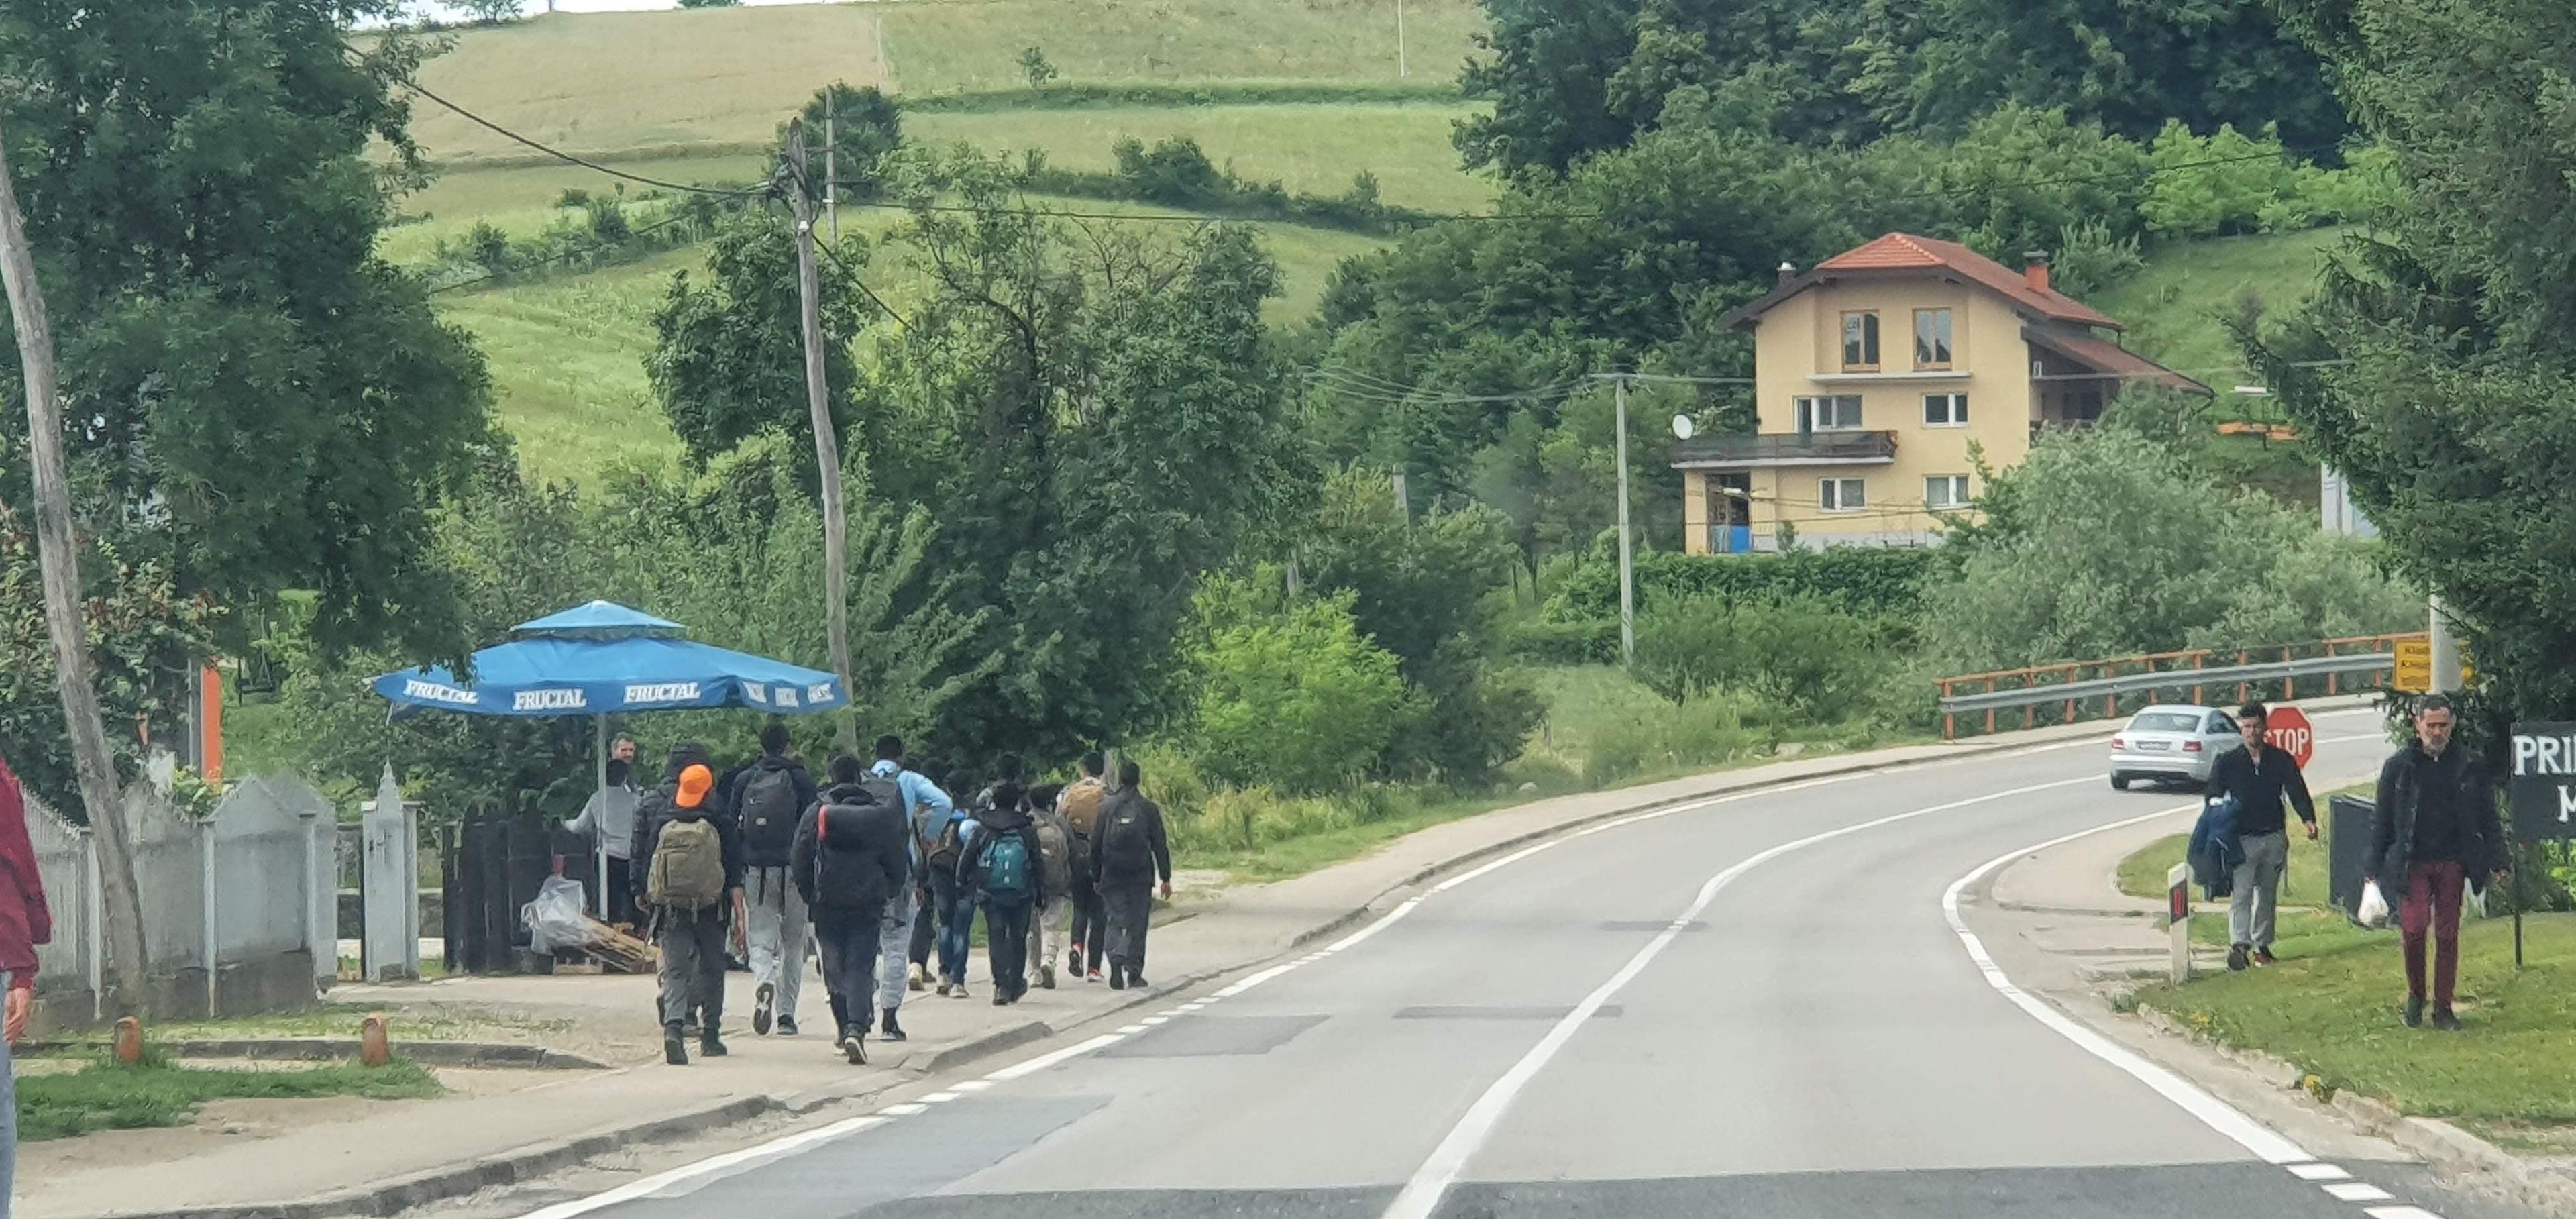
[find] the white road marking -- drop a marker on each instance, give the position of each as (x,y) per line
(1052,1057)
(2357,1191)
(769,1153)
(2317,1172)
(1421,1195)
(724,1164)
(2400,1212)
(2212,1112)
(906,1109)
(1131,1030)
(939,1098)
(1154,1020)
(972,1085)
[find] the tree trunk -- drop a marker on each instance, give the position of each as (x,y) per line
(59,557)
(827,441)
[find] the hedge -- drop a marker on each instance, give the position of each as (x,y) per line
(1868,581)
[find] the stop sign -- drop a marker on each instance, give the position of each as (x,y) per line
(2288,730)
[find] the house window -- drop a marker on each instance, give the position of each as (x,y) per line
(1945,491)
(1931,338)
(1839,413)
(1842,494)
(1860,342)
(1945,410)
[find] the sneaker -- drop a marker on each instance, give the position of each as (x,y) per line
(709,1046)
(1093,976)
(675,1046)
(1073,961)
(787,1026)
(960,991)
(1136,981)
(760,1003)
(1117,976)
(2263,956)
(1046,976)
(1001,998)
(2240,958)
(944,984)
(854,1045)
(2445,1021)
(2414,1013)
(890,1031)
(917,979)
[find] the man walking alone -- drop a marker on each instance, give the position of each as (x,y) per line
(2258,777)
(1129,852)
(2433,831)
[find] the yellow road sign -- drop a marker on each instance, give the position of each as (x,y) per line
(2414,673)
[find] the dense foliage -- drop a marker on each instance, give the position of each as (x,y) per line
(729,352)
(1284,691)
(1860,580)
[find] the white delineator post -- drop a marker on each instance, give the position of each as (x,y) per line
(2178,914)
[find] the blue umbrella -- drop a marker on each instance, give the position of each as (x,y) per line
(600,658)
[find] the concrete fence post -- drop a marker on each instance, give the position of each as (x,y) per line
(208,952)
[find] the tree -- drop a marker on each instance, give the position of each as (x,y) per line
(489,12)
(2431,368)
(728,360)
(866,127)
(1034,66)
(266,405)
(1284,690)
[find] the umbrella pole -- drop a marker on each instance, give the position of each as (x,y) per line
(599,831)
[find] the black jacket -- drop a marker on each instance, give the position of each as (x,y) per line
(1103,871)
(867,858)
(2402,780)
(739,789)
(991,825)
(661,806)
(2259,788)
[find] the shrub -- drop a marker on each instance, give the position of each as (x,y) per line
(1173,171)
(1799,653)
(1538,641)
(1859,580)
(1286,693)
(1698,733)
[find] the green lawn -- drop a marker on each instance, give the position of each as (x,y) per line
(2330,1006)
(107,1096)
(714,81)
(1310,149)
(2176,309)
(2142,874)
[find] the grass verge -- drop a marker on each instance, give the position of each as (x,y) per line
(2330,1007)
(107,1096)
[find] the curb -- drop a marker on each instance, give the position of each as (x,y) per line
(440,1184)
(426,1053)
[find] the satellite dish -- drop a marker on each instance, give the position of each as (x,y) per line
(1683,427)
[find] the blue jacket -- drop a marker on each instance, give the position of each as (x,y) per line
(2215,850)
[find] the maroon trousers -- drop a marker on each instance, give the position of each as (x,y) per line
(2432,904)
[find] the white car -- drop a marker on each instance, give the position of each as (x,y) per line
(2172,744)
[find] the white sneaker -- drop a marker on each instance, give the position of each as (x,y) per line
(959,990)
(918,978)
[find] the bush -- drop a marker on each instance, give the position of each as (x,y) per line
(1285,692)
(1799,653)
(1699,733)
(1174,171)
(1869,582)
(1538,641)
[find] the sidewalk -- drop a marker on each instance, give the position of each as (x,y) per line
(497,1127)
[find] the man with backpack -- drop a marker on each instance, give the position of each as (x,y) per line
(1055,845)
(688,865)
(1006,871)
(851,856)
(769,798)
(1129,852)
(952,904)
(1080,805)
(923,804)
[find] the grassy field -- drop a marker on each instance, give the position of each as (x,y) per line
(107,1096)
(2177,308)
(1310,149)
(715,81)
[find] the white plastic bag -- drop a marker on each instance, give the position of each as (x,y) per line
(2374,906)
(2474,900)
(557,919)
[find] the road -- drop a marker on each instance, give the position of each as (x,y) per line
(1759,1006)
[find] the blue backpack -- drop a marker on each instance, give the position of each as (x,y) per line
(1006,867)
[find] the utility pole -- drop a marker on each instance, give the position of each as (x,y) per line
(831,166)
(1403,501)
(1627,560)
(59,559)
(827,441)
(2446,651)
(1401,69)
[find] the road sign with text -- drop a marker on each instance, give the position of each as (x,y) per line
(2542,781)
(2288,730)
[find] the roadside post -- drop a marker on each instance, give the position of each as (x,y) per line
(2541,792)
(2178,918)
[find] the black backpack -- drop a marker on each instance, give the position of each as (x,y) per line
(769,812)
(1125,847)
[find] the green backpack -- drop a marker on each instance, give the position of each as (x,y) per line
(688,866)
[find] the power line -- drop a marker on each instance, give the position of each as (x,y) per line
(562,255)
(559,154)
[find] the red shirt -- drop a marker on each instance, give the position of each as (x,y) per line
(24,921)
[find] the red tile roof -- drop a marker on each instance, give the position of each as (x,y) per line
(1905,252)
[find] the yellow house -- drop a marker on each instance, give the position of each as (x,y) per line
(1874,373)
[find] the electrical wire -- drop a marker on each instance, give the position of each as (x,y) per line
(415,86)
(560,256)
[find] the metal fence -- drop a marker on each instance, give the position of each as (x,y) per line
(237,907)
(2105,689)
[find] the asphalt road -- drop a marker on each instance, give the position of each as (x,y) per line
(1759,1007)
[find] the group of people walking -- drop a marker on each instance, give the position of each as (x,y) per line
(879,873)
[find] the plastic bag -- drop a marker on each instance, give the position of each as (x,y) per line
(558,918)
(2374,906)
(2474,900)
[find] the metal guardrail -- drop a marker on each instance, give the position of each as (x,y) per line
(2169,679)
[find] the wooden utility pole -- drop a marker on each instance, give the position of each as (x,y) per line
(1627,558)
(827,441)
(122,899)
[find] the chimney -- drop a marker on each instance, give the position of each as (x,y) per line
(2034,269)
(1788,271)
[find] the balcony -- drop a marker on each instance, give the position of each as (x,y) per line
(1785,449)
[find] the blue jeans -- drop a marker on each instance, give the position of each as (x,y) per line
(955,905)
